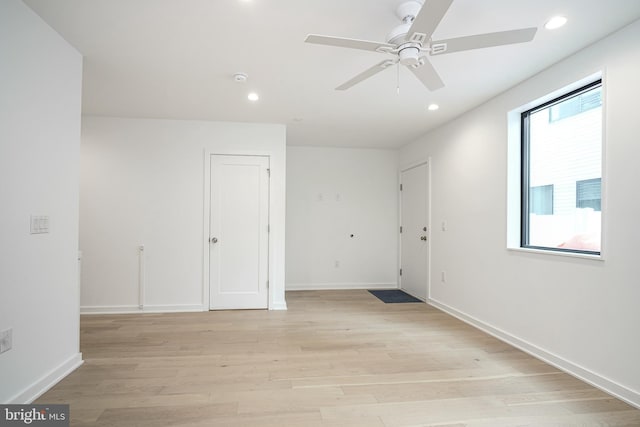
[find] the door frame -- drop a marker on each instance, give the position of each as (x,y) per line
(404,168)
(206,246)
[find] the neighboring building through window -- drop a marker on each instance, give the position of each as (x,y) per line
(541,200)
(562,172)
(576,105)
(588,194)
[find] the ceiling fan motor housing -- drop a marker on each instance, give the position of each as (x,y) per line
(399,33)
(409,9)
(407,12)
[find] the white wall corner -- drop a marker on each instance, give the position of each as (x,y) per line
(40,121)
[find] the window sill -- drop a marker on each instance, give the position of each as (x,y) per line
(558,253)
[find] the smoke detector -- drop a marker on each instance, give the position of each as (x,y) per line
(240,77)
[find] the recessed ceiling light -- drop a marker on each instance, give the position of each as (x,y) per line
(253,97)
(555,22)
(433,107)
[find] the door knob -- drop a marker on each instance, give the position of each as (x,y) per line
(213,240)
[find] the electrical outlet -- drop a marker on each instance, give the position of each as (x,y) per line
(6,340)
(337,264)
(443,277)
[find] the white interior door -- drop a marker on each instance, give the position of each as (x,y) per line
(414,247)
(239,236)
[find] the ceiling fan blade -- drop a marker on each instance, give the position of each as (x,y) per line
(349,43)
(429,17)
(483,40)
(428,76)
(367,73)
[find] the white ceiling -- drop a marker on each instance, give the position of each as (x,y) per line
(175,59)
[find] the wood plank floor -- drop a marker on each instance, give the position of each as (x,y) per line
(335,358)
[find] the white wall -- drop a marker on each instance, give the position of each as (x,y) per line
(580,314)
(39,162)
(331,194)
(143,182)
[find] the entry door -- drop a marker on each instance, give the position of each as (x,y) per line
(239,236)
(414,255)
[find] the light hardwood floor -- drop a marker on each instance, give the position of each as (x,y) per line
(335,358)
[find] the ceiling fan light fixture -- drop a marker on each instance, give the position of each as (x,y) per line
(409,56)
(555,22)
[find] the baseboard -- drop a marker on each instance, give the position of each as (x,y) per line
(41,386)
(279,305)
(132,309)
(337,286)
(619,391)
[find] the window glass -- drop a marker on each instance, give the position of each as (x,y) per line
(562,173)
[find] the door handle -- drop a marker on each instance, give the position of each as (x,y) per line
(213,240)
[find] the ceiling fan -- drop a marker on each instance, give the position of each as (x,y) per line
(410,42)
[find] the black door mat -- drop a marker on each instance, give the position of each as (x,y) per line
(389,296)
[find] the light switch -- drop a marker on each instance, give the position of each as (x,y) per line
(39,224)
